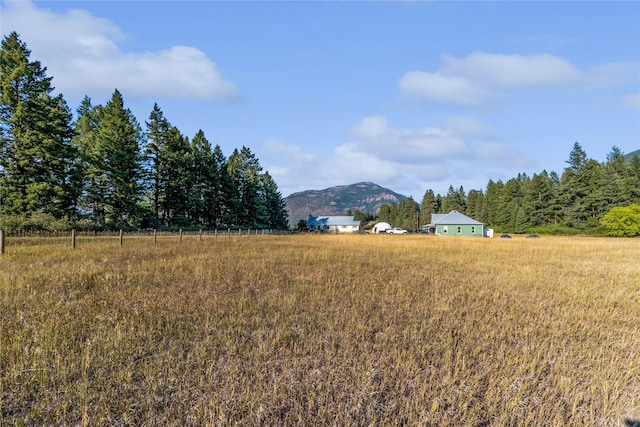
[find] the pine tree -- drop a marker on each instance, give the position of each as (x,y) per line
(169,172)
(85,139)
(632,182)
(539,198)
(490,208)
(117,155)
(157,133)
(277,215)
(38,162)
(407,216)
(245,172)
(385,213)
(455,200)
(474,204)
(428,207)
(175,178)
(223,192)
(203,179)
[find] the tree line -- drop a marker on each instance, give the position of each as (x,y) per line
(103,171)
(579,200)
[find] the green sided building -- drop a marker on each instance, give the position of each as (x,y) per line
(455,224)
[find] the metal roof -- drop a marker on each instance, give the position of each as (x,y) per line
(453,218)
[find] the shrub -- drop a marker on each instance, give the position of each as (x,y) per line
(622,221)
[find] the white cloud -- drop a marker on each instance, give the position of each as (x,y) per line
(83,55)
(481,79)
(503,71)
(613,74)
(295,153)
(373,135)
(406,160)
(444,89)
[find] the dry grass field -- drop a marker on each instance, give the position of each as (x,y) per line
(321,330)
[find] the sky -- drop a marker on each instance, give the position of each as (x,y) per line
(410,95)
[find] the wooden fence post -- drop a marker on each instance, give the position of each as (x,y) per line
(201,234)
(1,242)
(121,237)
(155,236)
(73,239)
(181,235)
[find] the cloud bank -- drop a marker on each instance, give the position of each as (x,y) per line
(84,55)
(483,79)
(407,160)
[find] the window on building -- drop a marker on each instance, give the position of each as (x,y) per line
(473,229)
(445,229)
(459,229)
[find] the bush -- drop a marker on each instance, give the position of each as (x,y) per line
(622,221)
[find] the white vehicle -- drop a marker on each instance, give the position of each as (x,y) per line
(397,230)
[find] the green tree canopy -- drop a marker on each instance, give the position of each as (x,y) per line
(38,162)
(117,154)
(622,221)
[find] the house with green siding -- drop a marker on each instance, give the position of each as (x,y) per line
(455,224)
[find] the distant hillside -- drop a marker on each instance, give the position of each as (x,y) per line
(364,196)
(629,156)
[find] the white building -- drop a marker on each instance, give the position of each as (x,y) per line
(332,224)
(381,227)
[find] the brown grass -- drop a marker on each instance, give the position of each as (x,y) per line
(321,330)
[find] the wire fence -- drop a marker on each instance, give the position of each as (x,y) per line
(28,238)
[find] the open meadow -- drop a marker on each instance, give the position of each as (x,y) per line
(320,330)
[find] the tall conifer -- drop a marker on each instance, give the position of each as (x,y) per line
(37,160)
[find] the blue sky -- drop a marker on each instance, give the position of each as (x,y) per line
(410,95)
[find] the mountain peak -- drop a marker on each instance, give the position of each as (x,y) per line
(363,196)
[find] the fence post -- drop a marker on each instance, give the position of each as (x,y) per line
(229,232)
(181,235)
(201,234)
(155,236)
(1,242)
(121,237)
(73,239)
(215,233)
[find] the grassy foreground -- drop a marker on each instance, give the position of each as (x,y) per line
(321,330)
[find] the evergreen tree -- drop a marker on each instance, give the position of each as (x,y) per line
(632,182)
(510,200)
(245,173)
(38,162)
(203,180)
(157,133)
(429,207)
(220,211)
(385,213)
(176,178)
(455,200)
(117,155)
(407,216)
(277,215)
(490,207)
(574,188)
(521,222)
(577,159)
(613,179)
(539,199)
(85,139)
(474,204)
